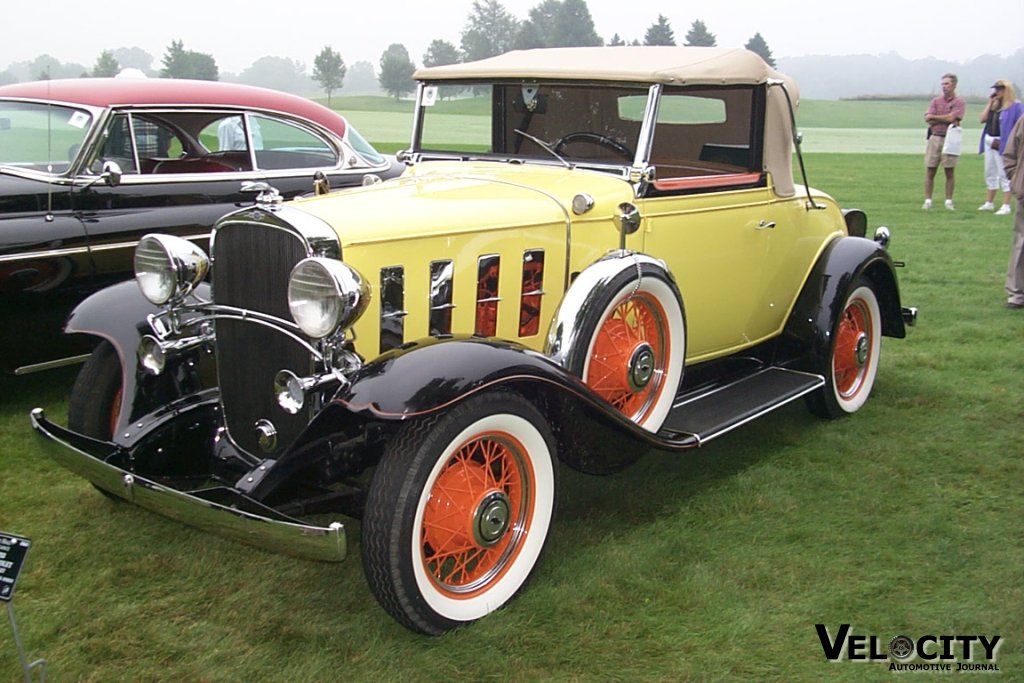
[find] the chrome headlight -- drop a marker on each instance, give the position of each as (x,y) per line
(325,295)
(168,268)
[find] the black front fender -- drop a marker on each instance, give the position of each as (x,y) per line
(433,374)
(119,314)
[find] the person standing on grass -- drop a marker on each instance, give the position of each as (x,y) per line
(945,110)
(1011,162)
(1001,112)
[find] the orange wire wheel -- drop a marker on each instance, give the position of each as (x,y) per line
(629,356)
(854,352)
(630,342)
(477,513)
(852,358)
(458,511)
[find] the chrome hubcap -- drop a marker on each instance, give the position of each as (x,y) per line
(641,367)
(491,519)
(862,349)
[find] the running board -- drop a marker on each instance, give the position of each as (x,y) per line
(703,416)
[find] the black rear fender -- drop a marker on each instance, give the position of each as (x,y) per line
(821,300)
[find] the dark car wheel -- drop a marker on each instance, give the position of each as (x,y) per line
(458,512)
(853,356)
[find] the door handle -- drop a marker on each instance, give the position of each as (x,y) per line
(766,225)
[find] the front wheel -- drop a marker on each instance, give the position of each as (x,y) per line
(458,512)
(96,396)
(854,353)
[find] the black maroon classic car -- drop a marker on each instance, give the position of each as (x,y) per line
(89,166)
(614,257)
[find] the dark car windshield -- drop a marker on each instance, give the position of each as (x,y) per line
(41,137)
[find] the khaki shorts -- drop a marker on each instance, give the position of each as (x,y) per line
(933,156)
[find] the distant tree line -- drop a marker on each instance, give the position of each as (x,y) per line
(489,29)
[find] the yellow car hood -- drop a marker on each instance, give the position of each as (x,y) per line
(447,198)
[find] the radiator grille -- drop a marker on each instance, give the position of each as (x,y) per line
(251,267)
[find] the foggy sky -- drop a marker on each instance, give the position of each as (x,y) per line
(237,33)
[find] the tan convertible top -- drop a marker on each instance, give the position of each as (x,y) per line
(668,65)
(654,64)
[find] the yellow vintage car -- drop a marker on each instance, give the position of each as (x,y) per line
(592,252)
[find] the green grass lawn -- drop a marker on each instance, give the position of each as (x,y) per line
(906,518)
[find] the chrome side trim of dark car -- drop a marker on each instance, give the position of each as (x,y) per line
(217,510)
(50,253)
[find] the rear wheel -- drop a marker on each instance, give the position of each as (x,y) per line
(458,512)
(854,353)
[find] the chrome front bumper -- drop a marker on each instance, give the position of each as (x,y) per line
(219,510)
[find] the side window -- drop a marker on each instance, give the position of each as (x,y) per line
(706,138)
(281,144)
(137,144)
(228,134)
(117,146)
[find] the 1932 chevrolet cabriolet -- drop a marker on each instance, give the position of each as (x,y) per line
(613,257)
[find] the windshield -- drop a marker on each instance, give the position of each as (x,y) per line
(364,148)
(41,137)
(556,122)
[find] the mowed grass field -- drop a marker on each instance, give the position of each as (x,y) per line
(904,519)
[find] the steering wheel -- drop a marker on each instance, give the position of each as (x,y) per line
(596,139)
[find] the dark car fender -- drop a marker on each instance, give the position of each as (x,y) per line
(119,314)
(821,300)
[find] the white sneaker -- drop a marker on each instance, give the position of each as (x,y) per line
(949,205)
(927,204)
(987,206)
(1004,210)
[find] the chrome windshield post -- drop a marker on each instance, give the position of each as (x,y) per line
(646,139)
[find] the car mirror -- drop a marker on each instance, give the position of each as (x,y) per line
(111,173)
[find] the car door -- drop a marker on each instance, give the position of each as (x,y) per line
(710,213)
(715,244)
(45,270)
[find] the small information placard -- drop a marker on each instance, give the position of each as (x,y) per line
(13,550)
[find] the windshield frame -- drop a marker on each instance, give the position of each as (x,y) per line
(533,153)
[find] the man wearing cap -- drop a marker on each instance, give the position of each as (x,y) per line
(1001,112)
(1015,271)
(945,110)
